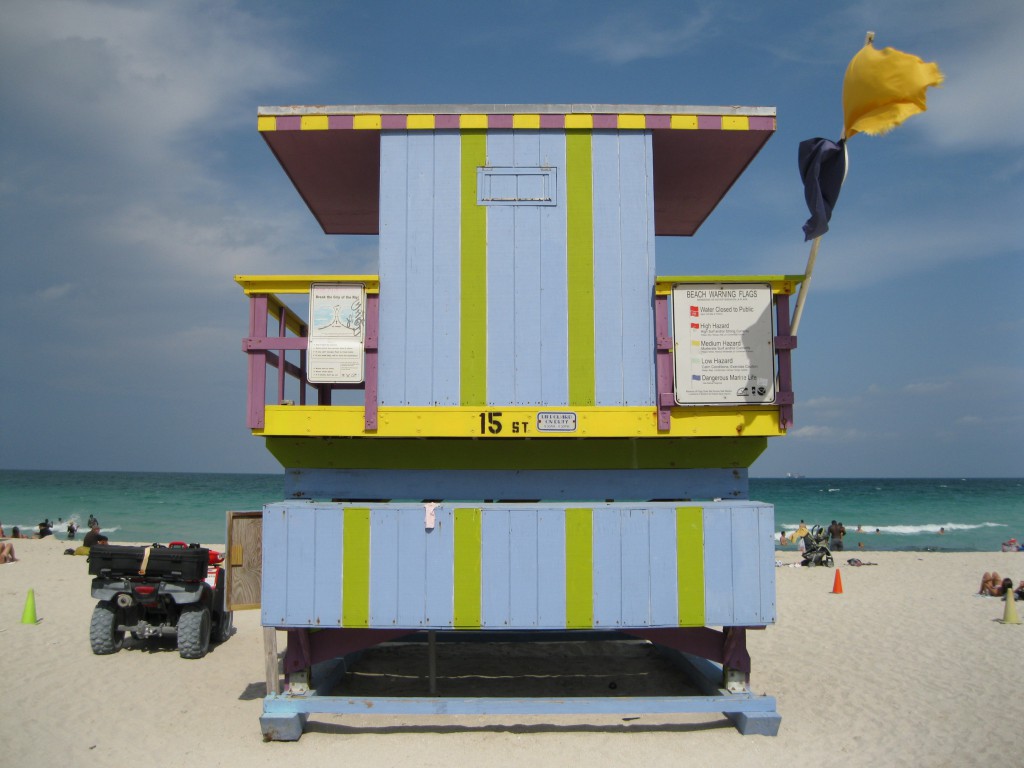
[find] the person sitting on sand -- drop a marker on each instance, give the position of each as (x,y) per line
(994,586)
(94,536)
(7,552)
(1019,592)
(17,534)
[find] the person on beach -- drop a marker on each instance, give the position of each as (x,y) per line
(7,552)
(799,535)
(1010,546)
(72,530)
(94,536)
(836,531)
(993,586)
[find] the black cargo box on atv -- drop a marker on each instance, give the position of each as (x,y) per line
(186,564)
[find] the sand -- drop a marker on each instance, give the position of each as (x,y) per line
(906,667)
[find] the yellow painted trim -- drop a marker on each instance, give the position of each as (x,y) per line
(420,122)
(781,284)
(313,123)
(632,121)
(579,121)
(366,122)
(300,283)
(684,122)
(735,123)
(526,121)
(472,121)
(266,123)
(465,421)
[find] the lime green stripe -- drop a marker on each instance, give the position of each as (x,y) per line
(690,565)
(473,328)
(580,265)
(579,568)
(355,598)
(467,569)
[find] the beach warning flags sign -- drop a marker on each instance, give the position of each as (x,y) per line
(837,584)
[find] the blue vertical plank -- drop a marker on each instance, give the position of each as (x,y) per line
(328,548)
(383,566)
(501,368)
(447,267)
(275,577)
(718,566)
(637,271)
(411,566)
(664,576)
(551,568)
(636,570)
(523,569)
(440,576)
(766,561)
(301,566)
(495,565)
(554,298)
(391,246)
(608,259)
(607,568)
(527,327)
(419,265)
(746,565)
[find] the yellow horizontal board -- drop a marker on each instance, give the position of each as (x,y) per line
(300,283)
(684,122)
(735,123)
(472,121)
(314,123)
(420,122)
(266,123)
(366,122)
(781,284)
(632,121)
(526,121)
(579,121)
(516,422)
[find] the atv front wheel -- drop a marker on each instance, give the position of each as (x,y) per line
(104,635)
(194,631)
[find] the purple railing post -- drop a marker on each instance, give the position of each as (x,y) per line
(257,397)
(370,385)
(784,345)
(663,363)
(282,331)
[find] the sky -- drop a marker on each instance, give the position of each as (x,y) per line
(134,185)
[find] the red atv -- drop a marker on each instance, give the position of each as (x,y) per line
(158,591)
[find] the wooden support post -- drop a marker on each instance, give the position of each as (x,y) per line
(432,661)
(270,660)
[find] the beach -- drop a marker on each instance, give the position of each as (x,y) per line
(908,666)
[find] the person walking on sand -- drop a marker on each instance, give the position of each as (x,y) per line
(836,531)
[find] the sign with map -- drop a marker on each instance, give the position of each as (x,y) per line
(337,332)
(724,350)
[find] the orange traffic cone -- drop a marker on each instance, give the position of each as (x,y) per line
(837,585)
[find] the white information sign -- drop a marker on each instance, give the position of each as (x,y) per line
(724,351)
(337,330)
(556,421)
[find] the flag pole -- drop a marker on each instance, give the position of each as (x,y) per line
(813,255)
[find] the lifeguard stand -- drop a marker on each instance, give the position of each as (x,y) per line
(546,436)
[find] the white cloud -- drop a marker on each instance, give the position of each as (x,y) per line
(926,387)
(628,36)
(826,433)
(53,292)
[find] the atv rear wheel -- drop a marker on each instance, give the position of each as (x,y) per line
(222,630)
(194,631)
(104,635)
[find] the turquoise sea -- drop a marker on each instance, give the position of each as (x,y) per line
(977,514)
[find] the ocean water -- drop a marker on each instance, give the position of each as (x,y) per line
(977,514)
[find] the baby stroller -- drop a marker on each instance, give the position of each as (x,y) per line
(816,550)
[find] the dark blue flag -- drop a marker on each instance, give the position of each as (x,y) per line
(822,167)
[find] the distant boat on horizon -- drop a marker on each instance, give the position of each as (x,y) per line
(793,475)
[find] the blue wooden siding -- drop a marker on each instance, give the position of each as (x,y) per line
(527,291)
(523,565)
(419,268)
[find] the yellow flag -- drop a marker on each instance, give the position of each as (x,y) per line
(883,88)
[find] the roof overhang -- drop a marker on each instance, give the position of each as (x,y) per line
(332,153)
